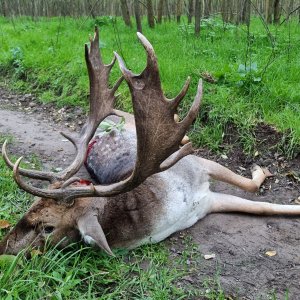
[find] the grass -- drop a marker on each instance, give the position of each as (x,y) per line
(83,273)
(256,72)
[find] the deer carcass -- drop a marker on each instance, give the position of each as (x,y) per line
(147,186)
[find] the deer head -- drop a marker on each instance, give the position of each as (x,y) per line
(67,211)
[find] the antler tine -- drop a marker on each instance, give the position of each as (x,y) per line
(102,100)
(175,101)
(151,57)
(193,112)
(56,194)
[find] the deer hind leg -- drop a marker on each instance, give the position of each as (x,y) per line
(229,203)
(218,172)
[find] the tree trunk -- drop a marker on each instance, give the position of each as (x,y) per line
(91,8)
(207,8)
(231,10)
(125,13)
(277,12)
(150,14)
(190,11)
(197,17)
(160,8)
(246,12)
(225,11)
(167,10)
(290,9)
(178,10)
(269,11)
(4,8)
(239,11)
(137,16)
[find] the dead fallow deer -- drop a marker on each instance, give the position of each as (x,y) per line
(147,186)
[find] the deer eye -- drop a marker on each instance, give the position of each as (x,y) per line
(48,229)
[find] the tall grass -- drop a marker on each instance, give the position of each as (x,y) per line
(256,72)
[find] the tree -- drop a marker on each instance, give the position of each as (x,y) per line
(178,10)
(289,9)
(268,11)
(137,16)
(4,8)
(207,8)
(167,10)
(227,11)
(246,10)
(160,8)
(197,17)
(150,14)
(125,13)
(190,11)
(277,12)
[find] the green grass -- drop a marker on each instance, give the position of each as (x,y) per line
(46,57)
(83,273)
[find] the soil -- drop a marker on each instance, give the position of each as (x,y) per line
(239,242)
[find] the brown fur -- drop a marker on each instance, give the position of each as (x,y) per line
(130,213)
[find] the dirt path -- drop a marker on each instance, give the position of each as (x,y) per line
(35,136)
(238,241)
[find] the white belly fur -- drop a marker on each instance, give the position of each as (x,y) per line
(186,200)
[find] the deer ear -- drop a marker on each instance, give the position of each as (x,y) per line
(92,232)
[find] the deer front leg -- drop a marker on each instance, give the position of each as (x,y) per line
(218,172)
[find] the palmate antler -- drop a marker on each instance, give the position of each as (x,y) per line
(158,135)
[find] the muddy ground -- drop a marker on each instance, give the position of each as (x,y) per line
(239,242)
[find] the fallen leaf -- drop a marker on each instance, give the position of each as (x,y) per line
(4,224)
(209,256)
(271,253)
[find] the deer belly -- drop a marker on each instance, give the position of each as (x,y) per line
(183,207)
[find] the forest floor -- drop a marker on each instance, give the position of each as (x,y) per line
(241,267)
